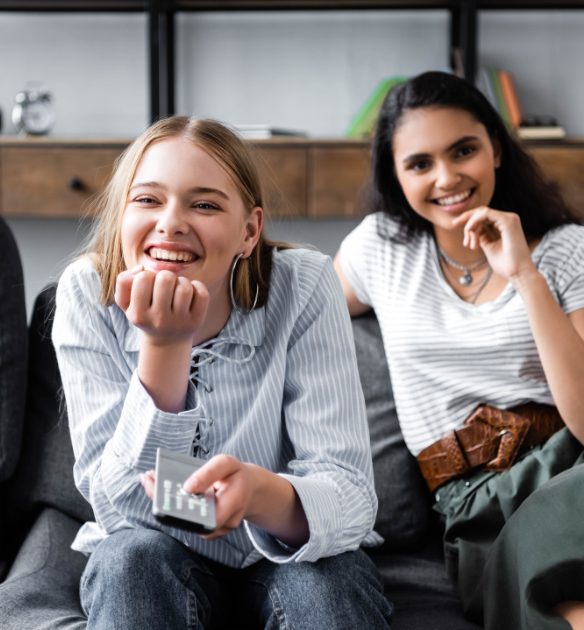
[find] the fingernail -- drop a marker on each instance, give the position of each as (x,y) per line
(137,269)
(142,479)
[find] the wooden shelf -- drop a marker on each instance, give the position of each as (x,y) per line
(303,177)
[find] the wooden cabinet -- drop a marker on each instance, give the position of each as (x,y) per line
(284,172)
(338,174)
(302,178)
(52,180)
(564,165)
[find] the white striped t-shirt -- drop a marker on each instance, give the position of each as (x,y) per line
(445,355)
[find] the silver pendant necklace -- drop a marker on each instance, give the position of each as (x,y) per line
(466,277)
(478,291)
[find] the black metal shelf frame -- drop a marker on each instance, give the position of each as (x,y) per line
(162,15)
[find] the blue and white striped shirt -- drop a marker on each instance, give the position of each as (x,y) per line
(282,392)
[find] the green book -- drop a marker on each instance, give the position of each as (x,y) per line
(363,123)
(503,110)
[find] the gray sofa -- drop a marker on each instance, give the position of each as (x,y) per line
(41,510)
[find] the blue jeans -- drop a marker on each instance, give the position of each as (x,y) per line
(146,580)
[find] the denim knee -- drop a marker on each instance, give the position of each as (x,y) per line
(141,579)
(338,593)
(132,552)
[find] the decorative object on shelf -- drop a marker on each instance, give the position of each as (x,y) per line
(265,132)
(363,123)
(499,87)
(541,128)
(34,112)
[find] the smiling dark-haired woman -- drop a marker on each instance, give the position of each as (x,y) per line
(474,266)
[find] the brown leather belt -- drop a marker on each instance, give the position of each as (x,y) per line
(491,438)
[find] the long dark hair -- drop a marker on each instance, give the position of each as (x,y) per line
(519,183)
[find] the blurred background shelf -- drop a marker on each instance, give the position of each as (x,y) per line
(304,178)
(162,26)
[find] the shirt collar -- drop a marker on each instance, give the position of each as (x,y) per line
(247,329)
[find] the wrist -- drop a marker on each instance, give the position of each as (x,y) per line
(174,341)
(163,370)
(257,483)
(527,280)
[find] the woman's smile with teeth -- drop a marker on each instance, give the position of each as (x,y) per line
(172,256)
(454,199)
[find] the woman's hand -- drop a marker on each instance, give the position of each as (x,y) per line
(166,307)
(246,491)
(500,236)
(234,485)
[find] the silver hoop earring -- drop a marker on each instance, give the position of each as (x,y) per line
(235,305)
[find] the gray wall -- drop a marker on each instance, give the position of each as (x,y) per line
(308,71)
(305,71)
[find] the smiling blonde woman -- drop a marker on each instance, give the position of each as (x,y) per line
(185,328)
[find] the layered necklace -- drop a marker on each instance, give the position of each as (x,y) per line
(466,279)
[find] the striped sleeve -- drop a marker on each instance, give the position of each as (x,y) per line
(352,259)
(571,272)
(115,426)
(324,412)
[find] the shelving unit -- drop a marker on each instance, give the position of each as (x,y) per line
(161,27)
(306,178)
(464,15)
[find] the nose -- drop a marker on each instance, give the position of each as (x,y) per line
(172,219)
(447,176)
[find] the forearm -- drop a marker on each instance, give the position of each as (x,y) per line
(277,509)
(163,369)
(560,347)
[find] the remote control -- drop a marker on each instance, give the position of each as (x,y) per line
(174,506)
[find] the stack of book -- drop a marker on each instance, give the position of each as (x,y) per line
(265,132)
(363,123)
(499,87)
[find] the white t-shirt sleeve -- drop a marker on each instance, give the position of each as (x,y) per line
(571,273)
(353,261)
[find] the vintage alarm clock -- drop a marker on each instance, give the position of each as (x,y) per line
(34,112)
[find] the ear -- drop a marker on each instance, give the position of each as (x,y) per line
(497,151)
(253,229)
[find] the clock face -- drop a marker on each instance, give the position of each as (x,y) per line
(37,117)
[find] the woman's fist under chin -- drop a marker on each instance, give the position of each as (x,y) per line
(166,307)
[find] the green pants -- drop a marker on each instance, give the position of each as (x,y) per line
(478,510)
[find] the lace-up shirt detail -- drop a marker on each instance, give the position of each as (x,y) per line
(278,388)
(199,447)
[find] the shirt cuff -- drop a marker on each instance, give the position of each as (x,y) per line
(325,522)
(143,428)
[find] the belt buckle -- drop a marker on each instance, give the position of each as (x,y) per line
(512,430)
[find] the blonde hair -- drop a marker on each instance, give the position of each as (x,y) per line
(105,245)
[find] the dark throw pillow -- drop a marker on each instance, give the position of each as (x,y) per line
(403,517)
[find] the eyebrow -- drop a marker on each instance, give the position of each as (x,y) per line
(417,156)
(196,189)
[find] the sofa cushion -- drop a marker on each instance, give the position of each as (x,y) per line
(404,502)
(13,352)
(419,588)
(44,475)
(41,591)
